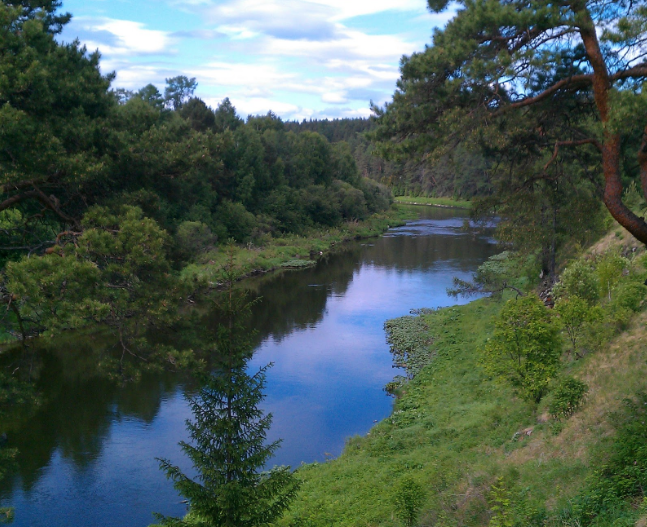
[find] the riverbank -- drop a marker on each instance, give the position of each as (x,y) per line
(292,251)
(434,202)
(478,454)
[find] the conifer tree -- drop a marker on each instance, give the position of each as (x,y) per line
(228,434)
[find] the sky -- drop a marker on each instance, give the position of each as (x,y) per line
(301,59)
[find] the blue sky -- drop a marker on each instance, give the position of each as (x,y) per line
(298,58)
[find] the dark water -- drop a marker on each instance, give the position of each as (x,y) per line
(87,455)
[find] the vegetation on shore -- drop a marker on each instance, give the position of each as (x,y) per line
(478,450)
(436,202)
(292,251)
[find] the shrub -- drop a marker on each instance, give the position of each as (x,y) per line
(193,238)
(629,295)
(408,501)
(579,280)
(568,397)
(609,269)
(574,314)
(238,223)
(613,488)
(501,510)
(525,349)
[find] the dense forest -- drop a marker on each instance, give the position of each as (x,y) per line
(131,185)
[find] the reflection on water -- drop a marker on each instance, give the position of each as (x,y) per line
(87,456)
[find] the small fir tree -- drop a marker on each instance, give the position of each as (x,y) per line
(228,435)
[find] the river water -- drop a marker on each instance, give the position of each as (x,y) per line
(87,454)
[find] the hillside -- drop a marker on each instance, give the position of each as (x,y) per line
(475,452)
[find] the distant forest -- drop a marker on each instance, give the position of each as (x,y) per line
(461,175)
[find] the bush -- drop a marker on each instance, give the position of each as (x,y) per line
(322,205)
(408,501)
(575,315)
(238,223)
(353,204)
(609,270)
(193,238)
(525,349)
(568,397)
(378,197)
(629,295)
(579,280)
(612,489)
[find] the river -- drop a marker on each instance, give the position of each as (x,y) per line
(87,454)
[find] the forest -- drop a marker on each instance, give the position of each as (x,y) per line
(131,221)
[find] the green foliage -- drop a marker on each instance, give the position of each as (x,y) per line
(498,273)
(193,238)
(622,477)
(234,221)
(115,273)
(578,280)
(410,344)
(179,90)
(228,433)
(567,397)
(409,498)
(500,506)
(525,349)
(227,451)
(629,296)
(68,143)
(575,316)
(609,269)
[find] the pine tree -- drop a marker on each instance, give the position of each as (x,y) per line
(228,435)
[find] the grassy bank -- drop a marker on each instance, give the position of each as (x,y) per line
(477,453)
(436,202)
(293,251)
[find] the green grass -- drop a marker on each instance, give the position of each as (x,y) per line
(437,202)
(456,432)
(277,252)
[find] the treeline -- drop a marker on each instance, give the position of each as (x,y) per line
(461,175)
(107,193)
(69,142)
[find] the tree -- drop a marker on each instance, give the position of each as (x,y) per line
(151,95)
(54,106)
(228,438)
(227,451)
(198,114)
(179,90)
(44,10)
(525,349)
(574,313)
(226,117)
(115,273)
(496,61)
(409,499)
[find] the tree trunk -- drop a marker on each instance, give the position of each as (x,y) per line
(611,146)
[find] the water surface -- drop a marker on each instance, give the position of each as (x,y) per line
(87,455)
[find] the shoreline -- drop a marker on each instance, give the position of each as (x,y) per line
(444,203)
(252,261)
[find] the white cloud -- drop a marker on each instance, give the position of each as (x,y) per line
(347,9)
(121,37)
(351,44)
(260,52)
(253,76)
